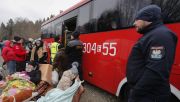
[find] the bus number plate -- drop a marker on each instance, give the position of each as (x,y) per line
(106,49)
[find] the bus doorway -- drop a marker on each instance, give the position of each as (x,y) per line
(69,27)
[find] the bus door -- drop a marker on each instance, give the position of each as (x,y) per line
(68,27)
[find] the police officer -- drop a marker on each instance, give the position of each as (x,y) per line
(54,48)
(150,62)
(74,52)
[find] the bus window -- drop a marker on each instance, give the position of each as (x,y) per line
(105,15)
(83,18)
(71,23)
(53,35)
(58,28)
(170,9)
(44,36)
(128,10)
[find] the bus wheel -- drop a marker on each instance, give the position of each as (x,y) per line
(124,93)
(174,98)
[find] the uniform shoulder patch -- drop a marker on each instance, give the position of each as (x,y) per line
(157,52)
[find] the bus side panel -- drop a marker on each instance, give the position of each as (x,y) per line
(107,71)
(175,72)
(105,68)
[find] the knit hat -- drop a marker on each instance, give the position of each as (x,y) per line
(17,38)
(75,34)
(149,13)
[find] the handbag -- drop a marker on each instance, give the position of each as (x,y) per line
(55,77)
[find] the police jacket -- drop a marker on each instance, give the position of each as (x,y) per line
(151,59)
(74,51)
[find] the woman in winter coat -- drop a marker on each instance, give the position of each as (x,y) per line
(39,53)
(29,50)
(9,56)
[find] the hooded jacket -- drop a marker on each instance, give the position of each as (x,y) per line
(74,51)
(151,59)
(8,53)
(20,52)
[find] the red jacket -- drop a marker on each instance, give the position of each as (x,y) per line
(20,52)
(8,53)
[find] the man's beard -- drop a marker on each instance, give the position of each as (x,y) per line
(141,30)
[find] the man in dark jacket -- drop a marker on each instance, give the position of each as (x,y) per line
(150,62)
(74,51)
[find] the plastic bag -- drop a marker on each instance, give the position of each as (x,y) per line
(55,77)
(46,72)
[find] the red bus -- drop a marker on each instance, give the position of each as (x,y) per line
(108,35)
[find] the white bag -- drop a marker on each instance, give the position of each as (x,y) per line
(55,77)
(57,95)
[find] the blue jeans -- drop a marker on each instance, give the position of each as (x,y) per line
(11,66)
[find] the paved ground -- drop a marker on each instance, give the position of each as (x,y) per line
(92,93)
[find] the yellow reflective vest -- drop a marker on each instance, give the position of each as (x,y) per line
(54,50)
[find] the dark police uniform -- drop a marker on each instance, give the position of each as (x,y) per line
(74,52)
(150,63)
